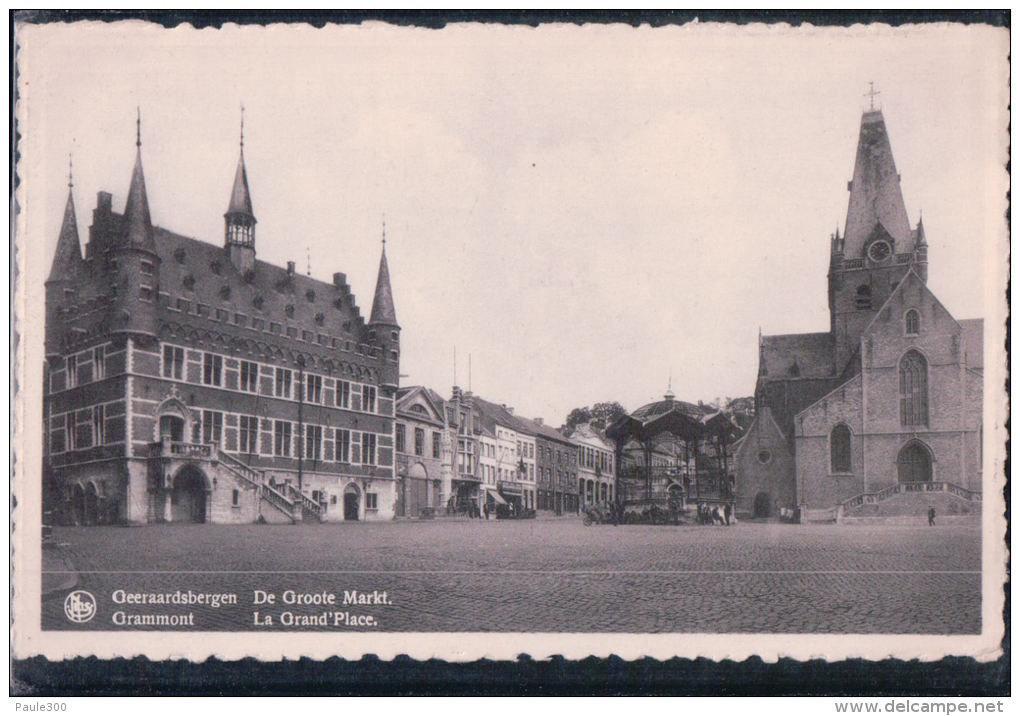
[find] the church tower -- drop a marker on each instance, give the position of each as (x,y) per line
(239,232)
(877,247)
(384,331)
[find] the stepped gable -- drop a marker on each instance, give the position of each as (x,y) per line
(797,355)
(202,272)
(876,208)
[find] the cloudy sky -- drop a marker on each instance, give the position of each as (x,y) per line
(582,210)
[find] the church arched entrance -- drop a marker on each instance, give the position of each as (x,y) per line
(914,463)
(77,505)
(189,496)
(352,503)
(763,505)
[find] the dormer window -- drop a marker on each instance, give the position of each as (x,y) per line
(912,323)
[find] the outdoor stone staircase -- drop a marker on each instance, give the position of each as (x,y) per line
(903,503)
(289,503)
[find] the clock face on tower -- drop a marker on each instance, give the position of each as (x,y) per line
(879,251)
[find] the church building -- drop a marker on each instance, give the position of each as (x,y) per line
(886,402)
(187,381)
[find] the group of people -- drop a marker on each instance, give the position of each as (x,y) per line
(717,515)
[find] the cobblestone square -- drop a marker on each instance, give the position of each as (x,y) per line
(541,575)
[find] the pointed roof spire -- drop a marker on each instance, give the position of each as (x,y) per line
(137,220)
(240,195)
(383,311)
(919,237)
(876,202)
(67,258)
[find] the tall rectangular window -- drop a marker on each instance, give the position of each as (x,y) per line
(401,438)
(281,438)
(419,442)
(313,442)
(371,501)
(343,445)
(435,445)
(212,369)
(368,448)
(99,424)
(368,398)
(249,434)
(69,440)
(173,362)
(313,388)
(212,426)
(249,376)
(283,380)
(99,356)
(343,394)
(72,371)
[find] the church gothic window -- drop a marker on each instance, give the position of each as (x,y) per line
(839,448)
(863,298)
(913,389)
(912,323)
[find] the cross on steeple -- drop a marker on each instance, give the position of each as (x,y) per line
(70,170)
(242,127)
(138,136)
(384,231)
(871,94)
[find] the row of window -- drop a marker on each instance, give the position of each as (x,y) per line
(419,441)
(85,366)
(286,383)
(546,475)
(78,430)
(282,438)
(593,458)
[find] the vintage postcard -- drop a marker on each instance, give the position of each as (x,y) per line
(493,340)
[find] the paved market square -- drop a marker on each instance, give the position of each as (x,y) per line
(553,575)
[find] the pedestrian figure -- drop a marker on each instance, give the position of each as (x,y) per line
(728,511)
(931,516)
(614,514)
(486,508)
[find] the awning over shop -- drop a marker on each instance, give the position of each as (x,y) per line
(497,498)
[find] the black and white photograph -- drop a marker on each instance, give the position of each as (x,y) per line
(481,340)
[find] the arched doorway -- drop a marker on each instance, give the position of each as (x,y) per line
(914,463)
(91,505)
(352,502)
(77,505)
(763,505)
(189,496)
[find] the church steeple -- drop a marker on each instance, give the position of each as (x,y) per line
(876,210)
(67,259)
(383,311)
(239,230)
(137,220)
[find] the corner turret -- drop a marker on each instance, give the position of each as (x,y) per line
(384,331)
(65,272)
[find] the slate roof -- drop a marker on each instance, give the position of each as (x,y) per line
(797,355)
(651,411)
(137,220)
(876,202)
(67,260)
(202,272)
(383,311)
(240,195)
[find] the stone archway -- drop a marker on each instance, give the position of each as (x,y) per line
(189,496)
(914,463)
(352,503)
(763,505)
(77,505)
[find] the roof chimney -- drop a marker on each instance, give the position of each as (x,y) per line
(540,421)
(290,268)
(339,279)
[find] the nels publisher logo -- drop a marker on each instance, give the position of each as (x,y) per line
(80,606)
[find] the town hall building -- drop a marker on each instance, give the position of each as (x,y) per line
(187,381)
(886,402)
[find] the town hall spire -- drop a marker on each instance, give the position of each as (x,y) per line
(67,259)
(239,230)
(383,310)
